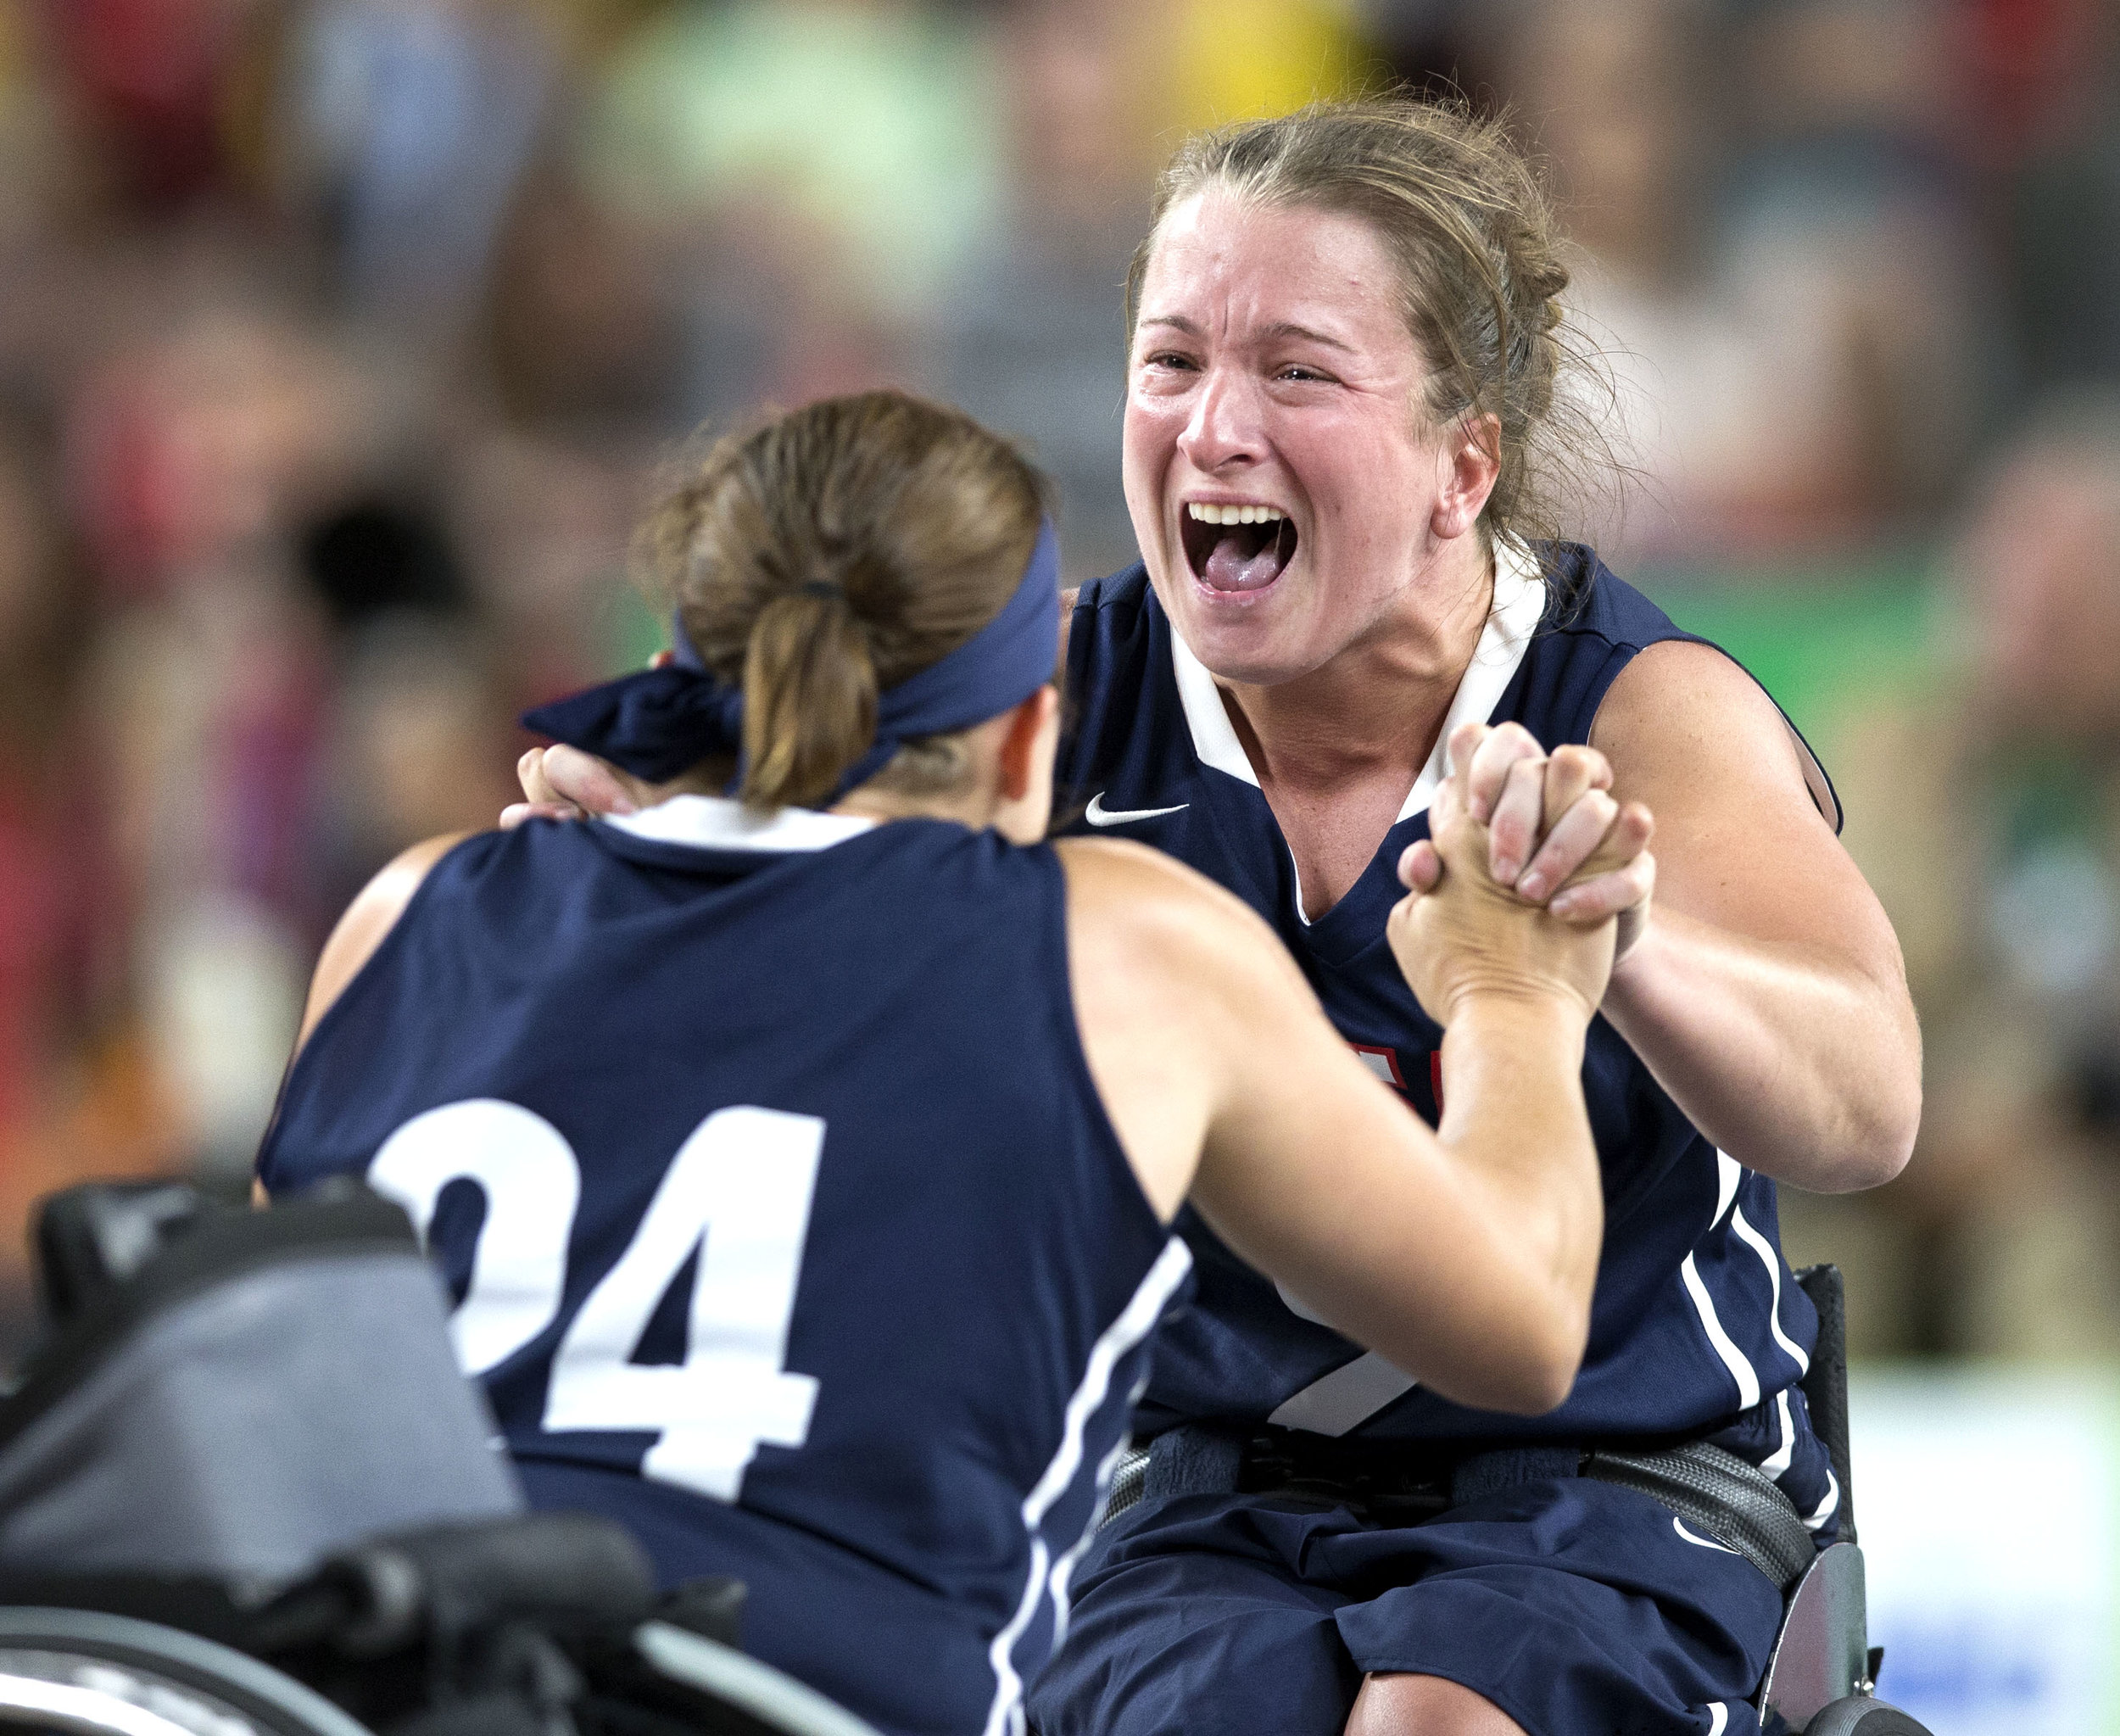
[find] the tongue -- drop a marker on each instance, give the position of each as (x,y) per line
(1244,558)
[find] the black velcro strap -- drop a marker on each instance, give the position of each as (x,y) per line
(1735,1504)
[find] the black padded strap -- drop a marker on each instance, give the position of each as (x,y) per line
(1735,1504)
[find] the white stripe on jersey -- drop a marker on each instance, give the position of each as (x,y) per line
(1825,1508)
(1136,1320)
(1741,1371)
(1057,1584)
(1773,1261)
(1778,1461)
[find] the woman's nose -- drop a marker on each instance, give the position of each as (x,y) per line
(1223,430)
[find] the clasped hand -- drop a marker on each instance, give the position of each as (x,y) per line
(1533,879)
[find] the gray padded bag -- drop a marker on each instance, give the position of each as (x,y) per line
(265,1389)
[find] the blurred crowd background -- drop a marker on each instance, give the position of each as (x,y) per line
(341,340)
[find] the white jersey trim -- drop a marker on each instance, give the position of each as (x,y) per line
(1520,601)
(1136,1320)
(720,822)
(1345,1399)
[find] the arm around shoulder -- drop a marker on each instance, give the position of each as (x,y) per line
(1767,994)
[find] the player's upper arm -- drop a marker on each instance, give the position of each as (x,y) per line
(368,918)
(1741,841)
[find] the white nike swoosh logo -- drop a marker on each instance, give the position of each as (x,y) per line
(1099,815)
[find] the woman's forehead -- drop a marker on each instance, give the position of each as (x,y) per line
(1248,263)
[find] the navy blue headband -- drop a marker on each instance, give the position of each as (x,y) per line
(661,722)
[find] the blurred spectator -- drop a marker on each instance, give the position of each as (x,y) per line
(150,79)
(407,123)
(589,316)
(48,860)
(1986,810)
(422,744)
(1788,309)
(196,457)
(1033,337)
(2052,97)
(833,163)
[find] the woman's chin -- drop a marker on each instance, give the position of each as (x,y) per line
(1241,635)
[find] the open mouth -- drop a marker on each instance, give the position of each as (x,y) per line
(1235,556)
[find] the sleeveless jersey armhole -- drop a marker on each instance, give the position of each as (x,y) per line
(392,942)
(1075,1059)
(1816,779)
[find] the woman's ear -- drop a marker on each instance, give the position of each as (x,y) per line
(1472,453)
(1027,726)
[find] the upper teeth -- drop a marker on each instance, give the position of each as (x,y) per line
(1234,515)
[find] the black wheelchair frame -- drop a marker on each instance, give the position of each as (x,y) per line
(1821,1676)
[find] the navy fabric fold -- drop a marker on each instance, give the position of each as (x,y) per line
(654,723)
(659,722)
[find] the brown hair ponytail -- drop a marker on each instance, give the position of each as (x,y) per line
(809,698)
(831,554)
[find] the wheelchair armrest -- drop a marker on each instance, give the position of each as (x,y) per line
(1825,1385)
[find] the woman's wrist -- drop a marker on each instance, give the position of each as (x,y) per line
(1514,1012)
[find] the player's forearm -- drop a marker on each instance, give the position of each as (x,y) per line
(1798,1064)
(1514,1123)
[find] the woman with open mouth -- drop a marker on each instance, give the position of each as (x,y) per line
(1349,406)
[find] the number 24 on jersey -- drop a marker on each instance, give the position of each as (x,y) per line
(742,1183)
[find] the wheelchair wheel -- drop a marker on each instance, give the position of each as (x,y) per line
(89,1674)
(1860,1715)
(768,1701)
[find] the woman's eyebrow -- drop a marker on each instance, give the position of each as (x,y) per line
(1279,329)
(1289,328)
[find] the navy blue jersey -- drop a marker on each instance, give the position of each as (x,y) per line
(1697,1325)
(786,1223)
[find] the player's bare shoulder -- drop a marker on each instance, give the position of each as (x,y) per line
(1173,980)
(372,914)
(1150,913)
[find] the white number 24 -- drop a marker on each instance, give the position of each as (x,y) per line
(741,1183)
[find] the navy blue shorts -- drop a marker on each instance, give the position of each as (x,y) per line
(1579,1608)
